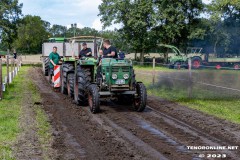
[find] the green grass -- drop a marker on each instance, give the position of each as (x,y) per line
(10,110)
(43,126)
(150,68)
(225,107)
(4,71)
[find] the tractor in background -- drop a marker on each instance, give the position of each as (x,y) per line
(179,60)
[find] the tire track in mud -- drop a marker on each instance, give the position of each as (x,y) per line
(118,132)
(77,136)
(166,129)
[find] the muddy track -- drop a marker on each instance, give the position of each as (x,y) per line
(162,131)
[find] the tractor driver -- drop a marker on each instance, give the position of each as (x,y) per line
(85,52)
(109,51)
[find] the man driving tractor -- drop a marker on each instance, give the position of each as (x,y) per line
(109,51)
(85,52)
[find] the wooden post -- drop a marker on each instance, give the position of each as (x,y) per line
(154,64)
(1,84)
(8,68)
(20,61)
(190,81)
(14,66)
(11,69)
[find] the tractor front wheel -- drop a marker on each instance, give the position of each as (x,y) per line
(140,100)
(93,98)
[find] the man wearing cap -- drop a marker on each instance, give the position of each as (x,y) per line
(85,52)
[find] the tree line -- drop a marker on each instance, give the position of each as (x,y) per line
(144,24)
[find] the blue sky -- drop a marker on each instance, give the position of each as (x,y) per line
(66,12)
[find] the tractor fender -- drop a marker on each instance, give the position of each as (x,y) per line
(196,57)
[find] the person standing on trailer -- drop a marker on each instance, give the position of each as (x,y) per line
(54,60)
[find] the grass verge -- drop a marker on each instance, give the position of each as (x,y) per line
(42,123)
(224,105)
(11,110)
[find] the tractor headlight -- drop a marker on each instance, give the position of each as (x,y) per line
(126,76)
(114,76)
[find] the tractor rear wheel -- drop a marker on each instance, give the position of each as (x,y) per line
(196,63)
(81,83)
(66,68)
(46,66)
(93,98)
(140,101)
(70,85)
(236,66)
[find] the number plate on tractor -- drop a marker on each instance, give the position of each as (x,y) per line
(120,81)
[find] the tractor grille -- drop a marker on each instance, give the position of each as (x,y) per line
(107,69)
(125,69)
(116,69)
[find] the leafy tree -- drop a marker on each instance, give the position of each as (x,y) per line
(137,18)
(178,21)
(10,14)
(225,25)
(58,31)
(31,34)
(146,23)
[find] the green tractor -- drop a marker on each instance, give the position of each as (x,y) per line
(115,79)
(177,60)
(72,66)
(87,83)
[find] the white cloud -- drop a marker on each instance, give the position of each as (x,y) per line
(97,24)
(207,1)
(63,12)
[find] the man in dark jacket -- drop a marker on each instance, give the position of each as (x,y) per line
(85,52)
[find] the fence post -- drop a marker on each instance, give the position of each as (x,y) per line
(154,65)
(8,68)
(12,69)
(190,81)
(1,84)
